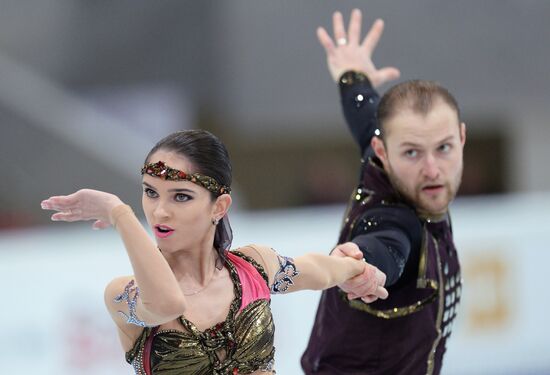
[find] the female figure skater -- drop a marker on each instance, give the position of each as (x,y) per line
(193,306)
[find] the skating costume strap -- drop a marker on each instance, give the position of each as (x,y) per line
(241,344)
(252,276)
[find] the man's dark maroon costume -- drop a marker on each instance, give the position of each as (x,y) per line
(405,334)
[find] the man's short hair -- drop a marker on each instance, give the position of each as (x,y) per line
(416,95)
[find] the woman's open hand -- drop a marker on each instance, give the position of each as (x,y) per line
(83,205)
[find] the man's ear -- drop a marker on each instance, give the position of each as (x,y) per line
(379,149)
(462,133)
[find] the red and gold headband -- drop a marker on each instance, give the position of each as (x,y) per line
(161,170)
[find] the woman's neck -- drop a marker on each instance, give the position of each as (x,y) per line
(194,267)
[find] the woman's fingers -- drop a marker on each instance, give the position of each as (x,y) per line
(70,215)
(60,202)
(50,204)
(348,249)
(67,207)
(100,224)
(85,204)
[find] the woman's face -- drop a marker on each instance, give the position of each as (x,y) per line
(180,213)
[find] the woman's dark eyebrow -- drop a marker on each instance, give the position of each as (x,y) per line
(181,190)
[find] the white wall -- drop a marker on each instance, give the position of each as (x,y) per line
(52,279)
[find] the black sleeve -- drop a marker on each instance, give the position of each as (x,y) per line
(359,104)
(387,236)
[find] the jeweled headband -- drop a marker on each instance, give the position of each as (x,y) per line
(161,170)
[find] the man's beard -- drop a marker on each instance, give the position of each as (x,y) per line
(418,199)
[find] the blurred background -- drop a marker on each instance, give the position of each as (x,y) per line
(88,87)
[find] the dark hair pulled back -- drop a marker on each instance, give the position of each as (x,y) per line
(207,156)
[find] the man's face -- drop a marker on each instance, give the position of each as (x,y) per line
(422,155)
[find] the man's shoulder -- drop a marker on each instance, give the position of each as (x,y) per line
(393,215)
(394,211)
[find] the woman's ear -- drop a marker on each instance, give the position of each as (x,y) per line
(221,206)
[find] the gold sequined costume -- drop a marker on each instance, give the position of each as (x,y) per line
(241,344)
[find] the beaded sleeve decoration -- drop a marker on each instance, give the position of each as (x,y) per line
(161,170)
(130,296)
(352,77)
(284,277)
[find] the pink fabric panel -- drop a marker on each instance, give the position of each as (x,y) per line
(253,284)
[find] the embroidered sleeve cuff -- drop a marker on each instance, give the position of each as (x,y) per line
(352,77)
(130,296)
(284,277)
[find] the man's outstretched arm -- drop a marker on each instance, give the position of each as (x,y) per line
(350,64)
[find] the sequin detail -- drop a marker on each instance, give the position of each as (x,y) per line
(161,170)
(352,77)
(241,344)
(130,296)
(284,277)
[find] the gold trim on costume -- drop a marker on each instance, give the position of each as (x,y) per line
(396,312)
(431,356)
(422,281)
(364,196)
(359,194)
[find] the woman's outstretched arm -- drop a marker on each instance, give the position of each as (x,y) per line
(317,271)
(152,296)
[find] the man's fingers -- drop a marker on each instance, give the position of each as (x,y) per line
(364,290)
(370,282)
(380,277)
(362,278)
(354,29)
(370,272)
(361,284)
(387,74)
(338,26)
(369,299)
(373,36)
(325,40)
(382,292)
(353,285)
